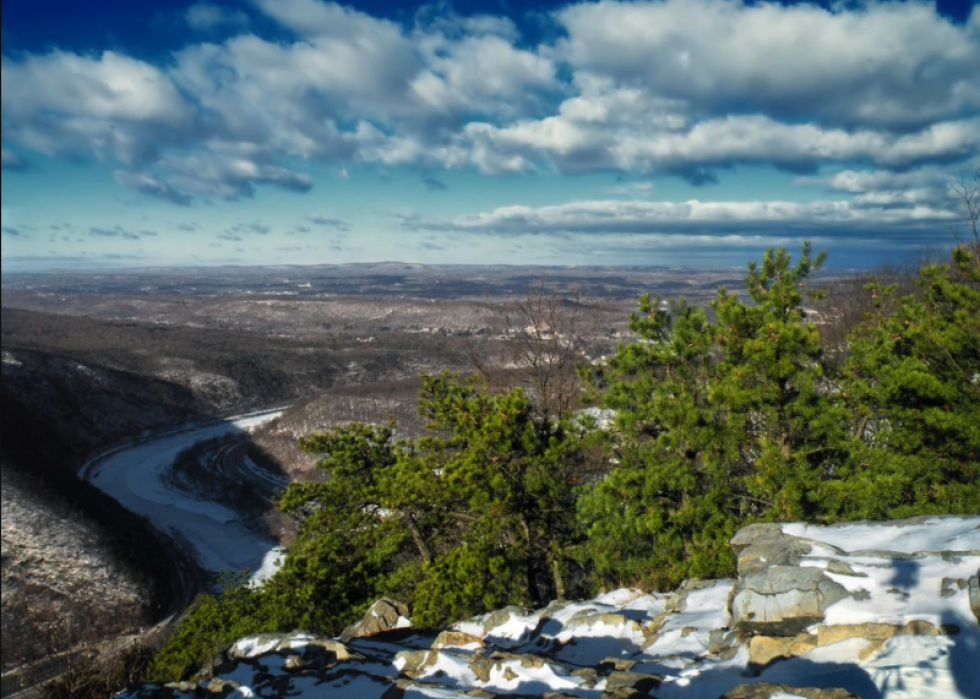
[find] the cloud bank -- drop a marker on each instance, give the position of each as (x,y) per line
(885,93)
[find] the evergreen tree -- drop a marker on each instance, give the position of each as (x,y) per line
(477,515)
(912,381)
(717,422)
(209,626)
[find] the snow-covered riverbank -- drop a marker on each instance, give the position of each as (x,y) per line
(135,477)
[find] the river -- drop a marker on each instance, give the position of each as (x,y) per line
(213,533)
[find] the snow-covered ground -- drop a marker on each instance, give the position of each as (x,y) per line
(135,476)
(905,628)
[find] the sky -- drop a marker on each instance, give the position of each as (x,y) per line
(657,132)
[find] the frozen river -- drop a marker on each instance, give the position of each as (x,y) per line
(135,476)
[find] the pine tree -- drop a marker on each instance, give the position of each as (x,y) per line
(718,422)
(912,380)
(476,515)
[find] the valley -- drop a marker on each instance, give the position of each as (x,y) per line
(154,417)
(100,368)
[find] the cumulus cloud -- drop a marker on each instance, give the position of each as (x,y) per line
(229,173)
(895,65)
(11,231)
(883,188)
(685,87)
(114,106)
(443,19)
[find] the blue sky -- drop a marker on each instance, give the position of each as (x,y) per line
(643,133)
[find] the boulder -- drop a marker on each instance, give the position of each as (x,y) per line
(334,650)
(612,664)
(500,617)
(877,634)
(255,645)
(383,616)
(220,686)
(483,665)
(775,596)
(677,602)
(638,681)
(456,639)
(766,690)
(950,587)
(596,618)
(722,640)
(412,663)
(764,650)
(781,600)
(767,649)
(759,546)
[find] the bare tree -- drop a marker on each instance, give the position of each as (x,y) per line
(848,304)
(544,337)
(968,191)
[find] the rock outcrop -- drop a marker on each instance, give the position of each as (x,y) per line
(860,611)
(775,595)
(384,615)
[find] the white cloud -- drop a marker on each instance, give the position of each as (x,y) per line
(864,181)
(572,145)
(761,218)
(875,64)
(114,106)
(485,74)
(685,87)
(230,174)
(443,20)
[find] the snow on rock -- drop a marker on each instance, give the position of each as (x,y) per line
(914,535)
(897,624)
